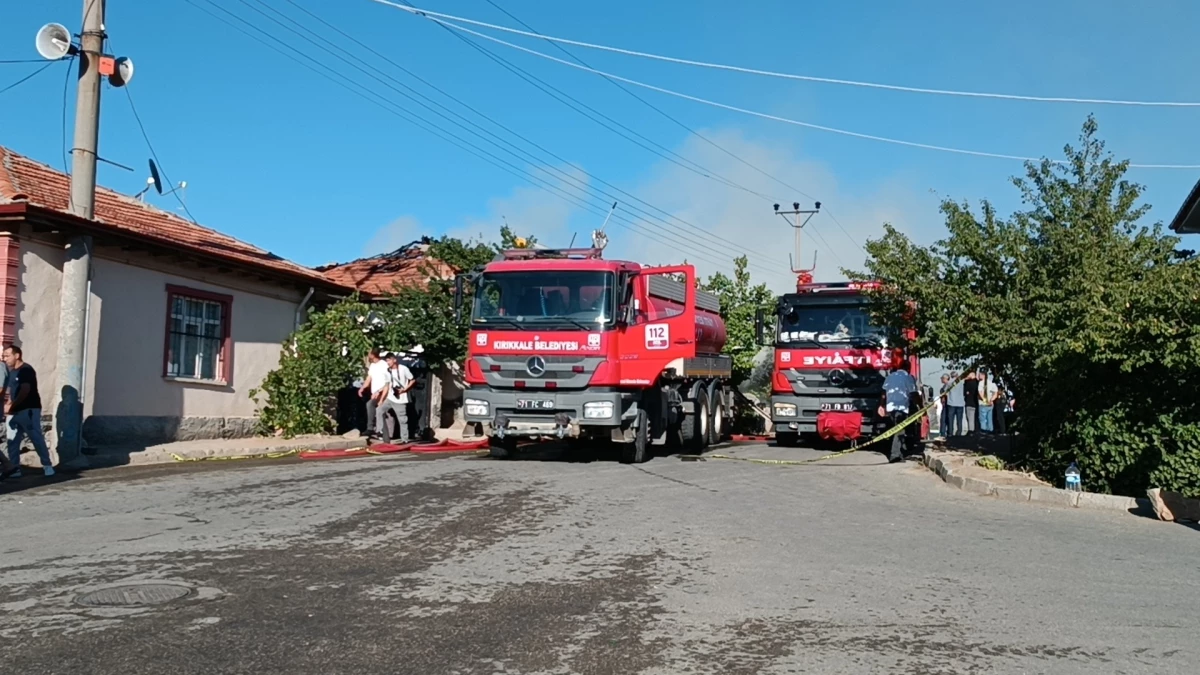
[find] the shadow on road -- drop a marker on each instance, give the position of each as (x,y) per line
(33,480)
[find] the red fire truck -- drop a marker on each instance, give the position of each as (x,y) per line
(829,364)
(567,345)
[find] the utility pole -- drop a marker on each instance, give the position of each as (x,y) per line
(77,261)
(802,216)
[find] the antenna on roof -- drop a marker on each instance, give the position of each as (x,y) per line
(154,179)
(599,238)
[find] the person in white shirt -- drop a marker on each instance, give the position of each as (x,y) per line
(394,399)
(377,381)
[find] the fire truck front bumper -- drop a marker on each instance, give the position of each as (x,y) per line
(801,414)
(543,413)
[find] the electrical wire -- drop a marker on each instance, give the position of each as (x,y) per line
(506,148)
(676,121)
(28,77)
(791,76)
(479,132)
(785,120)
(157,161)
(11,61)
(393,108)
(66,92)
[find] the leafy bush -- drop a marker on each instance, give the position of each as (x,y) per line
(1089,315)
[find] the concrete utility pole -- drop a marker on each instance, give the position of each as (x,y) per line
(803,276)
(77,263)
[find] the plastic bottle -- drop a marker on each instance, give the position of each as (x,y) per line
(1073,482)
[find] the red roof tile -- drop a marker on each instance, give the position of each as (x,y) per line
(380,275)
(24,180)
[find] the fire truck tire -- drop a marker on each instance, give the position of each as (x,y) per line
(696,424)
(638,450)
(716,418)
(787,439)
(505,448)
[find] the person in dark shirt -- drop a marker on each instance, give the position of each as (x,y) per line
(23,406)
(971,394)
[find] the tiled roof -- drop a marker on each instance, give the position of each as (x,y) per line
(380,275)
(24,180)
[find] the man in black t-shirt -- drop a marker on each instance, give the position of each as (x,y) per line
(23,406)
(971,394)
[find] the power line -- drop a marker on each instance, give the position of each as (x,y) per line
(677,122)
(10,61)
(503,145)
(154,154)
(392,107)
(792,76)
(785,120)
(564,175)
(28,77)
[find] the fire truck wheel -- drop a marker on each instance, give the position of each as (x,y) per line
(639,450)
(787,439)
(696,424)
(504,448)
(716,421)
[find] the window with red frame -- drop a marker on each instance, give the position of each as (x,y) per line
(198,346)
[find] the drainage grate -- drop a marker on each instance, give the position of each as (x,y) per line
(134,595)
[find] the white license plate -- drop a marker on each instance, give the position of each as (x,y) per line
(837,407)
(534,404)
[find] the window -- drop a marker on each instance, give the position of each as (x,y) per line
(198,346)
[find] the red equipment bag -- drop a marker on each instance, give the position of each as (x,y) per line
(839,426)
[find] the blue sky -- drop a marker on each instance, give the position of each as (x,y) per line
(275,155)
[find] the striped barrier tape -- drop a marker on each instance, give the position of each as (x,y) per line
(853,449)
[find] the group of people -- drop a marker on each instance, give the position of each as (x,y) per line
(977,403)
(22,413)
(388,383)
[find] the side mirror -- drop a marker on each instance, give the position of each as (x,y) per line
(759,324)
(458,298)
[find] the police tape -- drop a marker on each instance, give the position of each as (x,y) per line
(848,451)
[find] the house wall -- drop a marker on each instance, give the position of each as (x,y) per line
(127,400)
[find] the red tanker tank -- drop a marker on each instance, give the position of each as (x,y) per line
(711,334)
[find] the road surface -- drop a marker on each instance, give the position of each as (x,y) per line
(469,565)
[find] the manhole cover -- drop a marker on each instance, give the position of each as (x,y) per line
(134,595)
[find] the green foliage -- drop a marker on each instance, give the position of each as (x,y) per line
(317,360)
(991,463)
(739,302)
(1088,314)
(328,351)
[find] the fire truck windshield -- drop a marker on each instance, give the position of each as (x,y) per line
(799,324)
(543,299)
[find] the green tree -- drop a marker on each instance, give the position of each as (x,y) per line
(1089,314)
(321,357)
(328,351)
(740,301)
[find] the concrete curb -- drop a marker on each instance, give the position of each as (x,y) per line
(219,448)
(944,464)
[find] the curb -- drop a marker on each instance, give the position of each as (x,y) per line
(1042,496)
(231,449)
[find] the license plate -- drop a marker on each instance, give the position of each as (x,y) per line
(534,404)
(837,407)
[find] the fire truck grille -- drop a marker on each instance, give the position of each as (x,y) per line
(847,381)
(535,370)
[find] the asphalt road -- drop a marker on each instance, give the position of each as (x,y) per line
(468,565)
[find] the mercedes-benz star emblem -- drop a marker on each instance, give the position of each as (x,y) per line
(536,366)
(837,377)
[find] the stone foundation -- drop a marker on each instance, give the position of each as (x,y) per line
(131,430)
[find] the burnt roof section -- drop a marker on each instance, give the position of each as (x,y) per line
(380,275)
